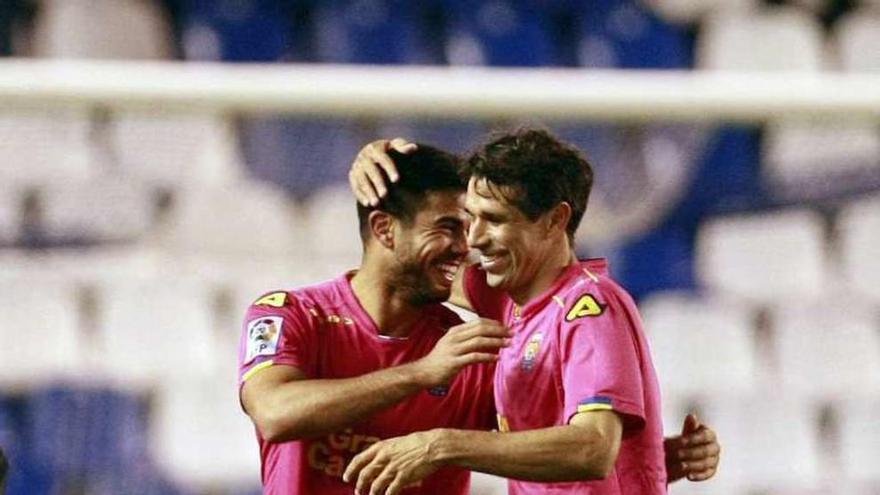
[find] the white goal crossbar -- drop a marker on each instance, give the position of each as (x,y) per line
(442,92)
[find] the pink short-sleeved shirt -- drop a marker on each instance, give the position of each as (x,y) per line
(578,347)
(323,331)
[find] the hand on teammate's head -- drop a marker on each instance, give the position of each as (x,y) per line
(365,177)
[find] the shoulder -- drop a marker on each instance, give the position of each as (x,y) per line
(592,293)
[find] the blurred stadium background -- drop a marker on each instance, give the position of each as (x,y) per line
(134,236)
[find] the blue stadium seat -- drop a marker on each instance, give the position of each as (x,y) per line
(237,31)
(373,32)
(505,32)
(80,434)
(300,154)
(627,34)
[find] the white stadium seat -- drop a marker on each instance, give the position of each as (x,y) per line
(171,150)
(247,220)
(701,347)
(155,329)
(102,210)
(333,232)
(764,258)
(200,438)
(828,347)
(859,231)
(770,445)
(860,440)
(777,39)
(10,214)
(40,331)
(855,40)
(112,29)
(40,147)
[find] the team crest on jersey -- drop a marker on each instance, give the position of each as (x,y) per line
(533,347)
(262,336)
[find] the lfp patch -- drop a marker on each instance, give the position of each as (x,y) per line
(262,336)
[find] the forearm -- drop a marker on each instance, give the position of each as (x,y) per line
(550,454)
(309,408)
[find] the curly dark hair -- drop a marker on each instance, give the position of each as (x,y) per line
(425,170)
(538,170)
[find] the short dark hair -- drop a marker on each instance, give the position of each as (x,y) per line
(542,170)
(425,170)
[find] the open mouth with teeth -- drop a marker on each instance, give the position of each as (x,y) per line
(448,270)
(491,262)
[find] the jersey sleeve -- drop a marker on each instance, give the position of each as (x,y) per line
(278,329)
(486,301)
(600,359)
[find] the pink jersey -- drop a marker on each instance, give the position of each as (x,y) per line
(323,331)
(578,347)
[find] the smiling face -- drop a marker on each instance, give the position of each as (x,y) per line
(512,247)
(429,250)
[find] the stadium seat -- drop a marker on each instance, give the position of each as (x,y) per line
(693,11)
(860,440)
(855,37)
(859,236)
(454,136)
(107,29)
(702,347)
(333,229)
(10,215)
(372,32)
(301,154)
(828,347)
(149,330)
(248,220)
(627,34)
(767,258)
(40,332)
(45,146)
(98,211)
(174,150)
(770,444)
(774,39)
(191,452)
(498,33)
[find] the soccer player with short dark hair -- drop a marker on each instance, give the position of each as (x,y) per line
(577,397)
(329,369)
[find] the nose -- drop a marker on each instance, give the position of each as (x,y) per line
(476,237)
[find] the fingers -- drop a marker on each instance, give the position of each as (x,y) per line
(381,482)
(702,475)
(402,146)
(358,463)
(699,452)
(703,435)
(486,344)
(362,188)
(691,424)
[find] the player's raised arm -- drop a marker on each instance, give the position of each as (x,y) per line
(286,404)
(367,176)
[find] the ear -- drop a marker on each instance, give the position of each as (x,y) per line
(382,228)
(559,217)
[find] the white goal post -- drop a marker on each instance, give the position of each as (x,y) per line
(472,92)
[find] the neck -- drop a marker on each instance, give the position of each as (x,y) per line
(559,257)
(392,314)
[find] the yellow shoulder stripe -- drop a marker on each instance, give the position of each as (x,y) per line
(256,369)
(275,299)
(594,407)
